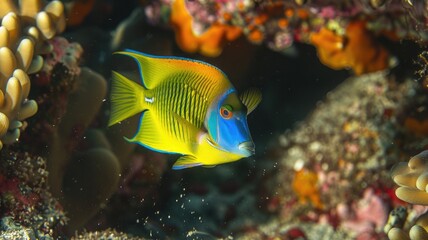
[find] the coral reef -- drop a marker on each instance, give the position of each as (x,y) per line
(411,179)
(346,34)
(367,109)
(415,229)
(366,128)
(77,11)
(11,230)
(69,99)
(356,49)
(327,178)
(210,42)
(52,87)
(305,186)
(22,40)
(366,217)
(27,207)
(106,234)
(84,170)
(366,115)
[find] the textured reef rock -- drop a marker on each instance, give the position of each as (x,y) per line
(11,230)
(83,174)
(23,32)
(333,168)
(106,234)
(83,170)
(28,209)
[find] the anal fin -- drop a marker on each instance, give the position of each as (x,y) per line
(186,161)
(150,135)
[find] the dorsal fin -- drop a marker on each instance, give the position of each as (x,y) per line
(156,69)
(251,98)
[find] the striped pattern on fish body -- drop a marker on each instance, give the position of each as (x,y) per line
(176,104)
(182,97)
(187,107)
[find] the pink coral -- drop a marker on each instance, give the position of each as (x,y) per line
(65,53)
(367,216)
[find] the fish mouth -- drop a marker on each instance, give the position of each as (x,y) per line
(247,148)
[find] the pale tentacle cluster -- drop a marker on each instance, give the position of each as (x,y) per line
(23,34)
(412,178)
(417,232)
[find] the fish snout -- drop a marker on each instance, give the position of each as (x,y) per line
(247,148)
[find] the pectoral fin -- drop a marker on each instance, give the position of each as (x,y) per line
(186,161)
(191,134)
(251,99)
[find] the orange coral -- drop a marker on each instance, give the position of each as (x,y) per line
(78,10)
(303,13)
(305,186)
(357,49)
(417,127)
(283,23)
(210,43)
(256,36)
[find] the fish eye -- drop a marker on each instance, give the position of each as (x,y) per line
(226,111)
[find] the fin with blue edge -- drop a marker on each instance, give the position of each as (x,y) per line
(251,99)
(186,161)
(156,69)
(150,135)
(151,69)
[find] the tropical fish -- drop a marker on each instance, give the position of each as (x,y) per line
(187,107)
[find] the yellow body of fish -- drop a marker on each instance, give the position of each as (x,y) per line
(175,98)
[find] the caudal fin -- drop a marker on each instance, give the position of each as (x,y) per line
(126,98)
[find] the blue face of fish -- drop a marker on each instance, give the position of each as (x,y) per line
(227,125)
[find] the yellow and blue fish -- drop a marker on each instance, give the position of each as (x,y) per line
(188,107)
